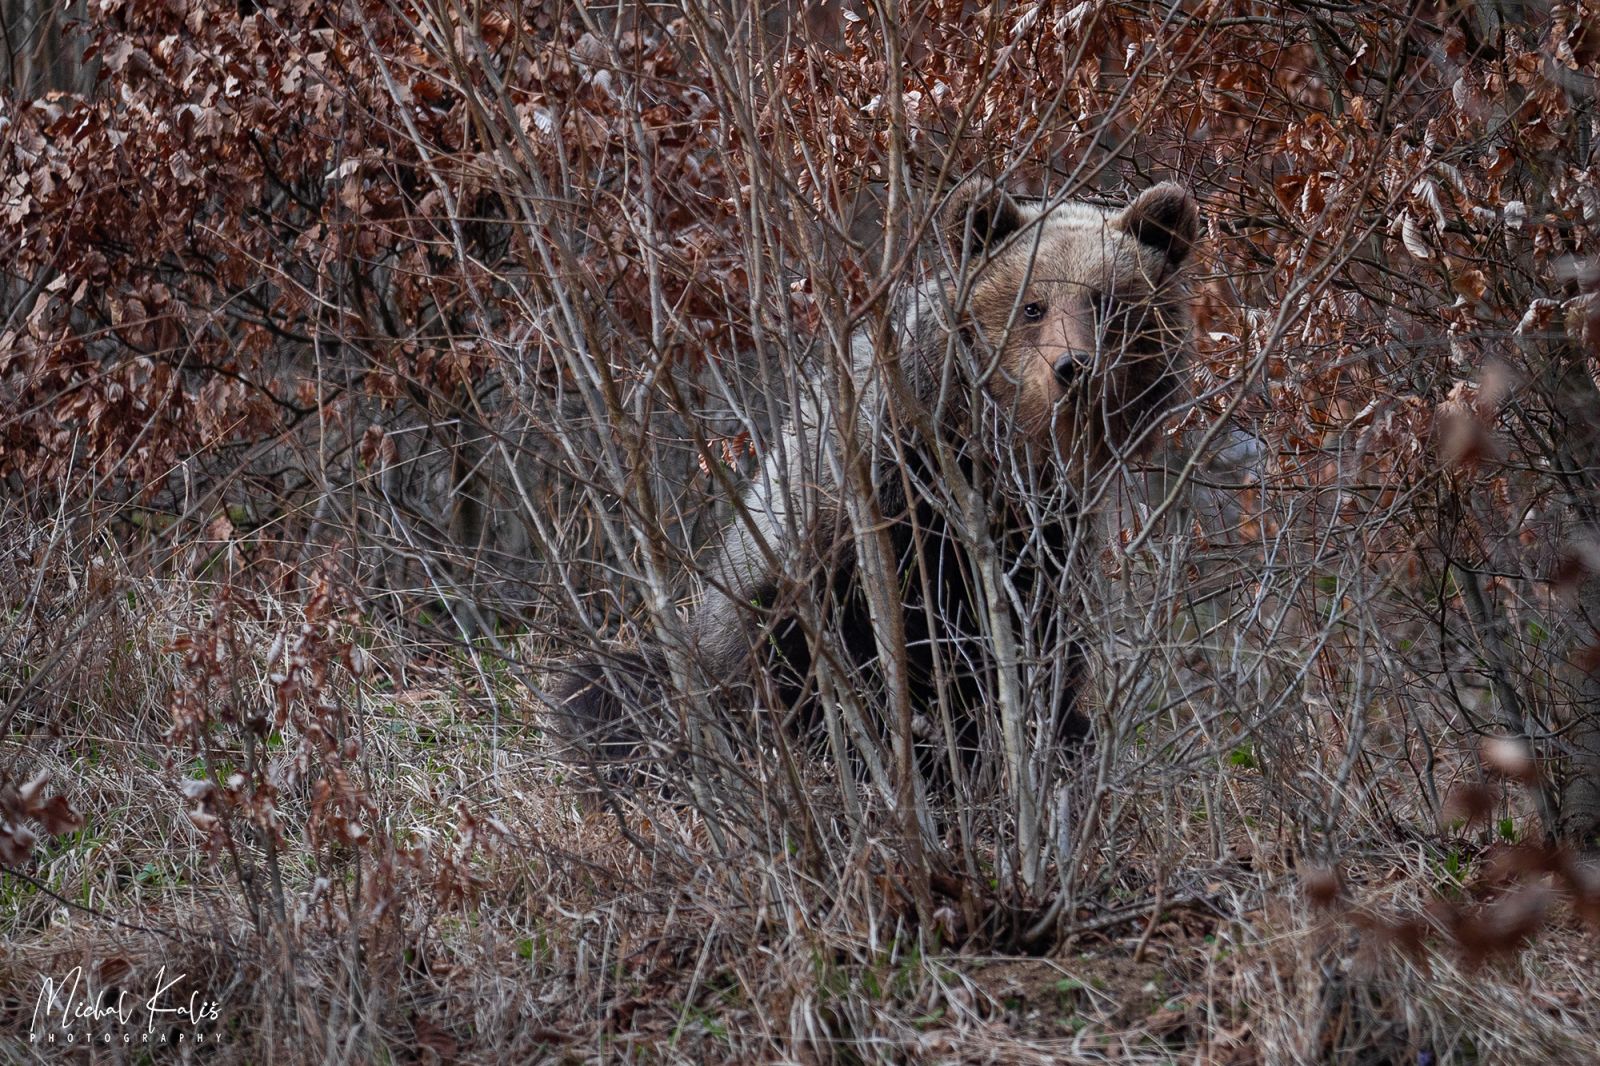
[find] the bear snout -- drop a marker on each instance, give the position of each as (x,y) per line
(1068,367)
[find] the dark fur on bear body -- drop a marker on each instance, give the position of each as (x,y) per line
(932,560)
(1070,319)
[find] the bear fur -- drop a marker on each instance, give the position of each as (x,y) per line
(1003,388)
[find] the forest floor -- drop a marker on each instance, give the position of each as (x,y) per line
(440,892)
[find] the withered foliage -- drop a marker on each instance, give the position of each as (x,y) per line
(252,218)
(430,342)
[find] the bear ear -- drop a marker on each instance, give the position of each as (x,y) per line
(978,217)
(1164,217)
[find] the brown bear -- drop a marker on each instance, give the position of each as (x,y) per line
(953,457)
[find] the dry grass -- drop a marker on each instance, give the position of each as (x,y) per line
(333,419)
(495,914)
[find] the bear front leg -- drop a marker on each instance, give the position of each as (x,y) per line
(605,708)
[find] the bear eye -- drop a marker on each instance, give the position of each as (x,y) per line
(1033,312)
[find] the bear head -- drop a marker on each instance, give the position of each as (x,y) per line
(1075,316)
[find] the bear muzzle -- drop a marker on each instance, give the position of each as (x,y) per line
(1069,368)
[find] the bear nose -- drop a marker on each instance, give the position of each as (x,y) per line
(1067,368)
